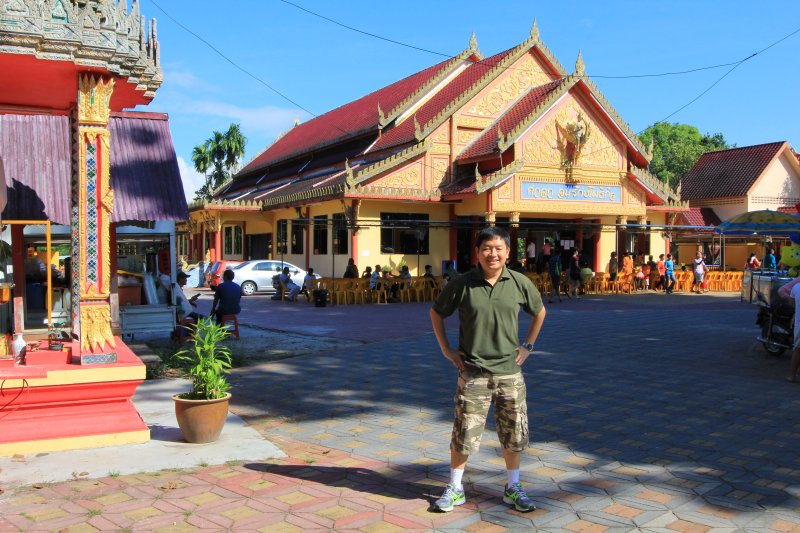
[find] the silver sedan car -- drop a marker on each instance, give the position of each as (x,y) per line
(256,275)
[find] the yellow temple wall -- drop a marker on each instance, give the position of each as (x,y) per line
(778,185)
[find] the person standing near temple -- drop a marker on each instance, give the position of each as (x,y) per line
(530,255)
(489,357)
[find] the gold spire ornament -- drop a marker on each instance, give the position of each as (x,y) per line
(579,66)
(473,42)
(535,31)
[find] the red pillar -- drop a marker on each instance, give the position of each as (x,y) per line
(354,236)
(216,243)
(453,233)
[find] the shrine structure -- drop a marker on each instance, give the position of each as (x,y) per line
(70,69)
(408,173)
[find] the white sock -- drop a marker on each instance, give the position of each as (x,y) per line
(513,477)
(455,478)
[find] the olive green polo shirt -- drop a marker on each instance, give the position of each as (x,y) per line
(489,316)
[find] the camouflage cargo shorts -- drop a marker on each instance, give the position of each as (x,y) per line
(477,390)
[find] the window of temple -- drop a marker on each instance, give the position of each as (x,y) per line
(298,236)
(321,235)
(282,237)
(340,236)
(232,238)
(404,233)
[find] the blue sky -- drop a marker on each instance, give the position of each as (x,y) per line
(320,65)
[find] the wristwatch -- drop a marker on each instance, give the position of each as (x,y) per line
(528,346)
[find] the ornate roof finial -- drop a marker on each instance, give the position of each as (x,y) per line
(535,31)
(651,147)
(417,129)
(501,140)
(473,42)
(296,121)
(579,66)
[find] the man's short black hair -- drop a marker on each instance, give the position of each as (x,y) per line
(227,275)
(183,275)
(489,233)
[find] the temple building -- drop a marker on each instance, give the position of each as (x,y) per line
(409,173)
(727,183)
(86,183)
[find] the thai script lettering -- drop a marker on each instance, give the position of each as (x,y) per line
(567,192)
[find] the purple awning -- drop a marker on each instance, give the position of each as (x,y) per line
(144,169)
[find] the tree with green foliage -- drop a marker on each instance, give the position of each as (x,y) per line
(218,159)
(677,147)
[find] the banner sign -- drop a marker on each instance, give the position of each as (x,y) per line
(571,193)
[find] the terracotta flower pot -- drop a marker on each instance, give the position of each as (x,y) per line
(201,420)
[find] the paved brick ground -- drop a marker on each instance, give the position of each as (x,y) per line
(648,413)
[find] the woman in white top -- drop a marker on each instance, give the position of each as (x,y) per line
(700,269)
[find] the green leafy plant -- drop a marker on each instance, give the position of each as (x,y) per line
(208,361)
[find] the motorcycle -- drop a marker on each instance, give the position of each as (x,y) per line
(775,314)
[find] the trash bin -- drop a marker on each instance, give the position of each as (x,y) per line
(320,297)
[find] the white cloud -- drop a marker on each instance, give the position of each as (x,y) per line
(268,121)
(192,180)
(186,79)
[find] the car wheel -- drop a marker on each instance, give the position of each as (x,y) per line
(248,288)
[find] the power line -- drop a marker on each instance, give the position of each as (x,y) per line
(232,62)
(376,36)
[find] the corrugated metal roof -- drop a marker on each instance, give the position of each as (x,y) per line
(36,156)
(144,169)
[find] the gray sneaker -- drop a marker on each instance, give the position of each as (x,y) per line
(450,498)
(515,495)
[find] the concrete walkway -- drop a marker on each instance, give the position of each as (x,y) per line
(647,413)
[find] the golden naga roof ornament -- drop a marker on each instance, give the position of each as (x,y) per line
(579,66)
(417,129)
(473,42)
(382,120)
(296,121)
(651,147)
(535,32)
(502,141)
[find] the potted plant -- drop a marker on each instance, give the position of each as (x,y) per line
(201,413)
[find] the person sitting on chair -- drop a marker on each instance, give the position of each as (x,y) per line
(186,306)
(308,282)
(227,297)
(290,285)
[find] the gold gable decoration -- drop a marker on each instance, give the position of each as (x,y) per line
(572,137)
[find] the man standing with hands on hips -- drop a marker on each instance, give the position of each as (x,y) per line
(488,358)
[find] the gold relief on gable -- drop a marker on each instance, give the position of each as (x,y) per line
(442,136)
(506,190)
(463,137)
(407,178)
(632,196)
(542,145)
(439,172)
(516,80)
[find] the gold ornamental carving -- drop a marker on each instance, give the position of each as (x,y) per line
(506,191)
(463,137)
(94,96)
(547,144)
(440,168)
(517,79)
(409,178)
(96,327)
(105,195)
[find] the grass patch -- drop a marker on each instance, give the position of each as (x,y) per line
(95,512)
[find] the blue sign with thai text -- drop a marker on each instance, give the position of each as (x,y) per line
(573,193)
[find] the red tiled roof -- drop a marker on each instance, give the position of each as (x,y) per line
(791,209)
(728,173)
(404,132)
(486,143)
(349,120)
(701,216)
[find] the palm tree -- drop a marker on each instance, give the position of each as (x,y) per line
(234,148)
(220,154)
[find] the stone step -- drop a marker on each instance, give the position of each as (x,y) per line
(148,356)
